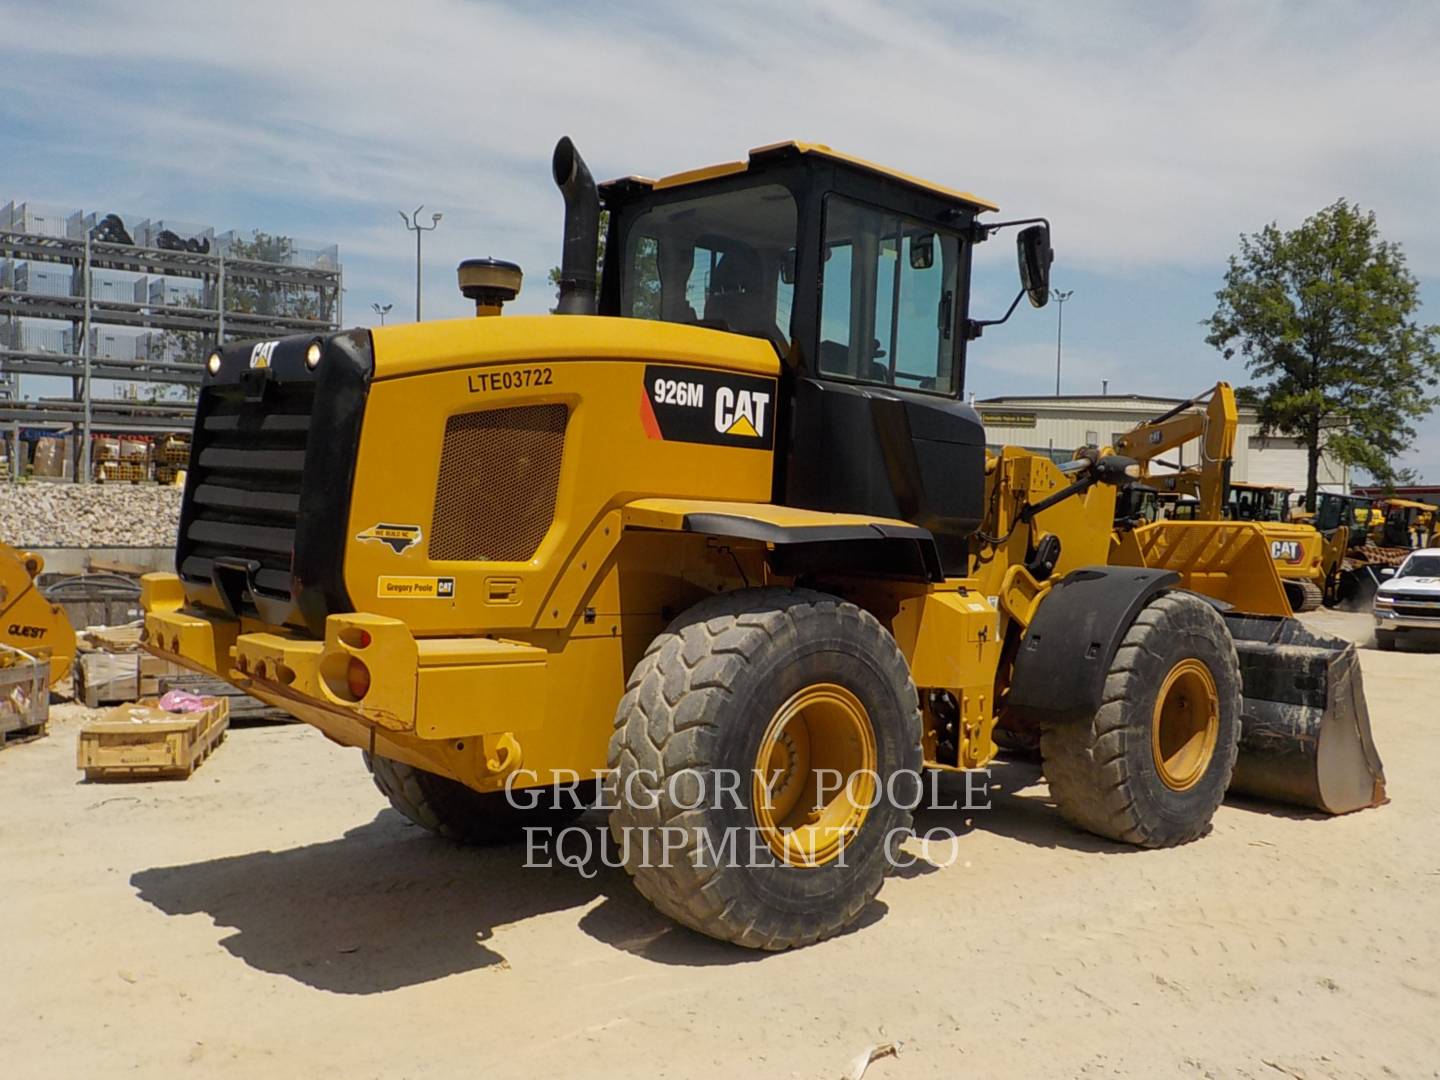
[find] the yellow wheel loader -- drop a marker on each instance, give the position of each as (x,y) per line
(28,620)
(720,544)
(1297,549)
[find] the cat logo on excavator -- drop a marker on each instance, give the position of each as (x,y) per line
(1286,551)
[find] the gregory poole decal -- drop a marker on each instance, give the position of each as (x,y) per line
(395,587)
(399,538)
(716,407)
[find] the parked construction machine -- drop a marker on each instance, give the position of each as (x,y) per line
(1364,536)
(28,620)
(1211,420)
(1259,502)
(724,535)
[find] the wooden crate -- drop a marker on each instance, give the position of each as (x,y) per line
(143,742)
(132,472)
(24,696)
(103,678)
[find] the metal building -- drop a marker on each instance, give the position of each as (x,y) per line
(135,306)
(1062,424)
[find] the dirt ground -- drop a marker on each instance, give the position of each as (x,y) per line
(273,916)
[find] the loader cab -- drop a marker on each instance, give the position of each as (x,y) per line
(1258,502)
(1333,509)
(860,278)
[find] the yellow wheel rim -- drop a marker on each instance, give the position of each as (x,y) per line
(1185,725)
(814,779)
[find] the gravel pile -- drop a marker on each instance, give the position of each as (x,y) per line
(39,514)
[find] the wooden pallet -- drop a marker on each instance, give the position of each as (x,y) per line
(16,736)
(143,742)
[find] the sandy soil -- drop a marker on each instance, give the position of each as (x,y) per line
(273,915)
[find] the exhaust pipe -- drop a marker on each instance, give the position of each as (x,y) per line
(582,230)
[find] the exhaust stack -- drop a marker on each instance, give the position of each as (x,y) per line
(582,230)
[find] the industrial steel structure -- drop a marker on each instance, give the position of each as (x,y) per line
(93,299)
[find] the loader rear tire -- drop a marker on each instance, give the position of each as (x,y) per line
(784,685)
(450,809)
(1152,765)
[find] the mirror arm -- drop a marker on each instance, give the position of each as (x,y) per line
(974,327)
(982,231)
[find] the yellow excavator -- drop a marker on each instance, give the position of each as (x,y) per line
(723,536)
(1297,550)
(28,621)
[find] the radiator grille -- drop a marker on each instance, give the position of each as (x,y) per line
(245,470)
(499,471)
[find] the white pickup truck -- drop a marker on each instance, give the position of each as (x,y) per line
(1409,599)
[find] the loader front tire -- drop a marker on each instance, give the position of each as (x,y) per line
(766,761)
(450,809)
(1152,765)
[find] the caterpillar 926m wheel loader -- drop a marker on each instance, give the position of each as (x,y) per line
(726,533)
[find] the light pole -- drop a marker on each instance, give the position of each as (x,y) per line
(412,222)
(1059,298)
(382,310)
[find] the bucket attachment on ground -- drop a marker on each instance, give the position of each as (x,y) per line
(1305,729)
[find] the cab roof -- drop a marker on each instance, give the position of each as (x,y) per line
(764,154)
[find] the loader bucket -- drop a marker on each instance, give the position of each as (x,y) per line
(1305,729)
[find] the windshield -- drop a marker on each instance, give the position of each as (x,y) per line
(1420,566)
(725,261)
(1259,504)
(887,298)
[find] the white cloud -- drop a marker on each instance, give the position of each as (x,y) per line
(1151,134)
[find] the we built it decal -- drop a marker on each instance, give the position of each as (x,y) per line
(694,405)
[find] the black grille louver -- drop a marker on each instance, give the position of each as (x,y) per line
(268,489)
(247,464)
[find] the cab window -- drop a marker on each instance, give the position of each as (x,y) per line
(888,288)
(724,261)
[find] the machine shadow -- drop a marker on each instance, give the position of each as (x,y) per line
(1003,806)
(385,906)
(388,906)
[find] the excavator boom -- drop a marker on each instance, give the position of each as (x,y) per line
(1214,428)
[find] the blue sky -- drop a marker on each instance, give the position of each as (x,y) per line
(1150,134)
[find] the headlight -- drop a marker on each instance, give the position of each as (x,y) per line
(212,365)
(312,356)
(1383,600)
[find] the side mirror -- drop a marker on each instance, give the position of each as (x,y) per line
(922,251)
(787,266)
(1032,246)
(1387,571)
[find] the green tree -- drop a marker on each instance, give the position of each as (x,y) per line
(1324,316)
(249,293)
(189,347)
